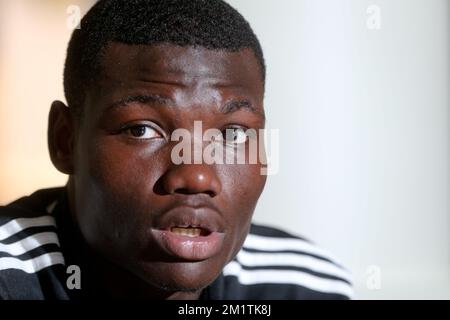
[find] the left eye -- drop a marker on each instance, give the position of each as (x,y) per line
(235,135)
(142,132)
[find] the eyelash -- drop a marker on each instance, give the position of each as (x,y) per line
(127,130)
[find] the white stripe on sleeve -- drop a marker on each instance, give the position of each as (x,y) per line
(15,226)
(255,259)
(251,277)
(278,244)
(29,243)
(33,265)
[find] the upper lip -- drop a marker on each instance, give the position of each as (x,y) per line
(192,214)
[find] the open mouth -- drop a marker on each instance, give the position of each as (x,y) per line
(190,231)
(190,234)
(189,243)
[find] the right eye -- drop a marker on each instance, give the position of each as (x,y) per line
(141,132)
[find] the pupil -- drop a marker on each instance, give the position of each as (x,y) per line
(138,131)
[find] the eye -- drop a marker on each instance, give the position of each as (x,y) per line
(141,132)
(235,136)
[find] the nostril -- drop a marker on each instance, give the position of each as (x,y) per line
(190,179)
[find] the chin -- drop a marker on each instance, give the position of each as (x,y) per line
(181,276)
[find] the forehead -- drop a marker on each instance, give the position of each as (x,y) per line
(182,65)
(190,77)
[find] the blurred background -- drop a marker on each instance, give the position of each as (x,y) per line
(360,93)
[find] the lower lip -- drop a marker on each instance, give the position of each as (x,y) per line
(189,248)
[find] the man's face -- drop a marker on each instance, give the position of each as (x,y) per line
(173,226)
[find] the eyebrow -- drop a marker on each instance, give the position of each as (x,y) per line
(235,105)
(229,107)
(143,99)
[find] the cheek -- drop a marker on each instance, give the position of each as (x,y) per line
(122,167)
(113,185)
(125,175)
(241,186)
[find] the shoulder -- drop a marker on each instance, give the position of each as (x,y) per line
(29,243)
(274,264)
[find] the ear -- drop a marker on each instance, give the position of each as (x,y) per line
(60,136)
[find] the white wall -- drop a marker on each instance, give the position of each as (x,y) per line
(33,42)
(364,126)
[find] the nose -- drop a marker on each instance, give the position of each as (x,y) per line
(192,179)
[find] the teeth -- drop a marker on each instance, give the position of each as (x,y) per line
(189,232)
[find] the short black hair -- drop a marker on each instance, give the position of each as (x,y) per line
(212,24)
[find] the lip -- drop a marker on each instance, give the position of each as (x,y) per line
(188,248)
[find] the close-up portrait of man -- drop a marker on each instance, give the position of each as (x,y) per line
(140,76)
(224,150)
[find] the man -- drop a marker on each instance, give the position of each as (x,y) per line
(133,221)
